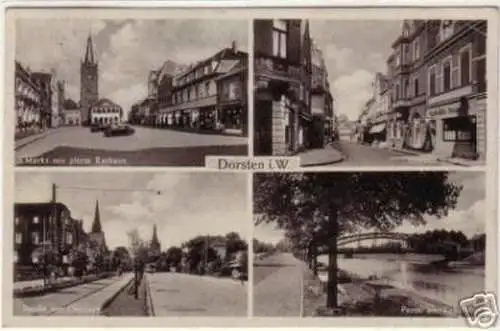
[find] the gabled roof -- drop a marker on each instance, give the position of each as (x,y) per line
(226,65)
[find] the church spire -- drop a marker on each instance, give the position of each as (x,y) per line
(89,53)
(154,240)
(96,226)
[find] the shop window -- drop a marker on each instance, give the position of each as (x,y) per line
(465,64)
(17,220)
(280,32)
(459,128)
(19,238)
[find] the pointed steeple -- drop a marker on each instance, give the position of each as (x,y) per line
(154,240)
(96,226)
(89,53)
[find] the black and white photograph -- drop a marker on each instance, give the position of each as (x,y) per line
(368,244)
(371,93)
(129,92)
(123,244)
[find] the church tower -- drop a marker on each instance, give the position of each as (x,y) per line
(96,234)
(155,245)
(89,76)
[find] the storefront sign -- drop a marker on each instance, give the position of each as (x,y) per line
(443,111)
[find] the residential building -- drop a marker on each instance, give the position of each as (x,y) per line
(438,80)
(44,80)
(28,100)
(379,109)
(105,112)
(70,114)
(44,224)
(89,81)
(282,100)
(165,86)
(232,98)
(194,92)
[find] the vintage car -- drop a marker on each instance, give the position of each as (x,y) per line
(118,130)
(237,266)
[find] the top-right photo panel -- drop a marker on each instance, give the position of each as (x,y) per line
(371,93)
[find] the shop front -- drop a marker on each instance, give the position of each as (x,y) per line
(460,131)
(232,118)
(378,132)
(397,129)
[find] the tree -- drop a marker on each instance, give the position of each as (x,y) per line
(200,253)
(173,256)
(337,203)
(137,246)
(234,243)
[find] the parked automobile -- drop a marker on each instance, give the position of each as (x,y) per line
(237,266)
(118,130)
(96,127)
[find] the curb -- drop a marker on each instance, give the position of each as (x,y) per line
(404,151)
(17,147)
(454,162)
(110,299)
(323,163)
(150,311)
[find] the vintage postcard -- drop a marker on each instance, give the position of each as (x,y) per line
(251,167)
(128,92)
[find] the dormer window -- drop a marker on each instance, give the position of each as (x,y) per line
(446,29)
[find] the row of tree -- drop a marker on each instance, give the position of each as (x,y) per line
(315,209)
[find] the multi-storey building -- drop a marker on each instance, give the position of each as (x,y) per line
(379,108)
(282,65)
(438,78)
(44,80)
(44,224)
(232,99)
(28,100)
(71,114)
(105,112)
(54,100)
(194,92)
(165,86)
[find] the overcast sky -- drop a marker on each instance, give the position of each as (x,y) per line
(126,49)
(354,51)
(190,204)
(469,215)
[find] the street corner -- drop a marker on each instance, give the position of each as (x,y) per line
(320,157)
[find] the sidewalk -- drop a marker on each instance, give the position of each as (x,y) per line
(20,143)
(36,282)
(320,156)
(430,156)
(96,302)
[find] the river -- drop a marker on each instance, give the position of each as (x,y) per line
(414,272)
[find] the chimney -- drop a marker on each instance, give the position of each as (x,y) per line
(234,46)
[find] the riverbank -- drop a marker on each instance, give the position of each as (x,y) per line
(366,297)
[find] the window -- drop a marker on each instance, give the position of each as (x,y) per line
(480,72)
(17,220)
(416,91)
(446,76)
(459,128)
(406,57)
(465,65)
(432,81)
(397,58)
(416,49)
(19,238)
(35,238)
(207,89)
(280,33)
(406,89)
(36,220)
(69,238)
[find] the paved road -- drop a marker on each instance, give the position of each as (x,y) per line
(63,302)
(148,146)
(175,294)
(278,286)
(364,155)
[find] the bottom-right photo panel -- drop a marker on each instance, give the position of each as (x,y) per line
(368,243)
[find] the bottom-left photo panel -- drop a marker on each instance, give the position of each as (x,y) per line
(130,244)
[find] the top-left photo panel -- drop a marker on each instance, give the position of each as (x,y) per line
(128,92)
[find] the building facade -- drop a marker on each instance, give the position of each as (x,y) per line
(72,117)
(282,100)
(194,95)
(28,100)
(44,80)
(105,112)
(438,81)
(44,224)
(89,82)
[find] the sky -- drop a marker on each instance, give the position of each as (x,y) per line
(126,49)
(354,51)
(190,204)
(468,216)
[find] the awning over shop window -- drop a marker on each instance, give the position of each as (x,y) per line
(378,128)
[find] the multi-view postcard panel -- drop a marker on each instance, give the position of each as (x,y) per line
(371,93)
(368,244)
(129,92)
(104,244)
